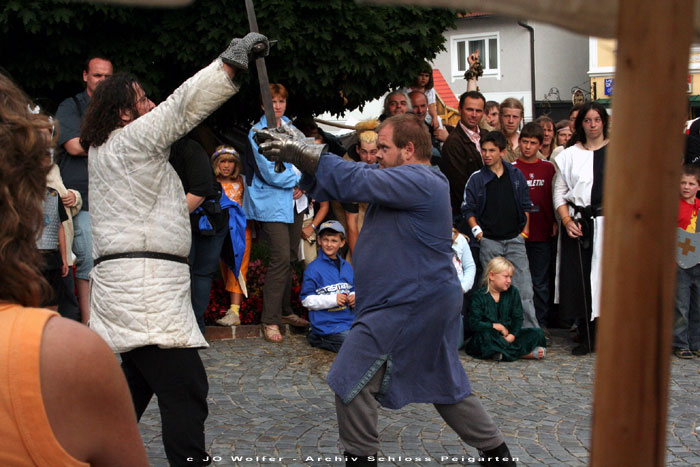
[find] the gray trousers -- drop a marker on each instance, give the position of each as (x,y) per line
(514,251)
(357,421)
(283,241)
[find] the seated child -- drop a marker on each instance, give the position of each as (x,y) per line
(686,319)
(227,167)
(496,318)
(328,291)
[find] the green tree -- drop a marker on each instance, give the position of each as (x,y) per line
(332,55)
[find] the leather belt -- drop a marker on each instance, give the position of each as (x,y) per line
(142,254)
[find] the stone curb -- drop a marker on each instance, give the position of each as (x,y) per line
(245,331)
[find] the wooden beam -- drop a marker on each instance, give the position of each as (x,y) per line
(640,207)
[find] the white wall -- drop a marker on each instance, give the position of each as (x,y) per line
(561,60)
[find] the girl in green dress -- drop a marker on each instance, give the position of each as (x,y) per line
(496,318)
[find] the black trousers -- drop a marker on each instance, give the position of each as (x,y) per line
(177,377)
(575,288)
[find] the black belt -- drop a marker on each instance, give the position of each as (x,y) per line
(142,254)
(587,212)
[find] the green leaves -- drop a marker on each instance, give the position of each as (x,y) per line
(324,48)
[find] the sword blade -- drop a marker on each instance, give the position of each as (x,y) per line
(263,80)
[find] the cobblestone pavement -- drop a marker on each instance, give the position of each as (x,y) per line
(268,400)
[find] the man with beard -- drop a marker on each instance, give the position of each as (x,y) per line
(408,295)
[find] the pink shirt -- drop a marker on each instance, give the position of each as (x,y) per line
(474,136)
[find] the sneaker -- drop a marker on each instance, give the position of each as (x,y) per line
(497,357)
(696,352)
(295,320)
(683,353)
(230,319)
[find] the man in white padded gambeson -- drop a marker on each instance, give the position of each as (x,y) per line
(140,283)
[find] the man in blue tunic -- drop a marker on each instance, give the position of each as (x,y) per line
(402,347)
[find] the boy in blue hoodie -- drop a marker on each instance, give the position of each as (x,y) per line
(328,290)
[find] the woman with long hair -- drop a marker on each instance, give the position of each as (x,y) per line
(45,391)
(578,198)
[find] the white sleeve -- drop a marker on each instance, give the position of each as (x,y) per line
(430,96)
(320,302)
(466,278)
(559,188)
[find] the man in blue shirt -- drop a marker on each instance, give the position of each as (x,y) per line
(402,346)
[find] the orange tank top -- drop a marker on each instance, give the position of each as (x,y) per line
(26,437)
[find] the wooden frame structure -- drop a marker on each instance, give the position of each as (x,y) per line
(640,205)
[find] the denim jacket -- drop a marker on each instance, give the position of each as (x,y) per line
(475,193)
(269,197)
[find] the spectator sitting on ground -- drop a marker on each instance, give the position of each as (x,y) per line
(496,318)
(328,291)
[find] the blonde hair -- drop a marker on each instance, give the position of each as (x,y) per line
(497,265)
(366,131)
(226,153)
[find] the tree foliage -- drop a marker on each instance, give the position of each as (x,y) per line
(332,55)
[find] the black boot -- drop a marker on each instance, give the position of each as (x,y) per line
(360,461)
(499,456)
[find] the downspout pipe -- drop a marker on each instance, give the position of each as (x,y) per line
(532,63)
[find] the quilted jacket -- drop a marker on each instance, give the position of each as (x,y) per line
(137,204)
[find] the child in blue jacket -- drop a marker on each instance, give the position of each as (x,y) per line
(328,290)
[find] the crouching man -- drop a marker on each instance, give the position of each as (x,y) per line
(408,296)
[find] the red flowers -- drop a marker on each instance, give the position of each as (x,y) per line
(251,308)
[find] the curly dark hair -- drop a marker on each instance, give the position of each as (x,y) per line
(25,143)
(113,96)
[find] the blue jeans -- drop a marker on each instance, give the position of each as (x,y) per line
(514,251)
(538,256)
(686,315)
(330,342)
(82,245)
(204,264)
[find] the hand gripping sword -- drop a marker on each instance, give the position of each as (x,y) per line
(263,79)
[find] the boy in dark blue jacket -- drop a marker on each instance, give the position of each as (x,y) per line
(496,206)
(328,290)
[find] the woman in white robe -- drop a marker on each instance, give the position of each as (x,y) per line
(578,191)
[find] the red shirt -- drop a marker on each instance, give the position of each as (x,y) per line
(539,175)
(688,215)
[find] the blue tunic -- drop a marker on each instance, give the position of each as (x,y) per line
(408,297)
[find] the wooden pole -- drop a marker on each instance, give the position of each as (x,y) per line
(640,208)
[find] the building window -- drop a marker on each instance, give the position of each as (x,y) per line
(464,45)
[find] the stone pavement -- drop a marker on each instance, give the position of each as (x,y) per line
(270,400)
